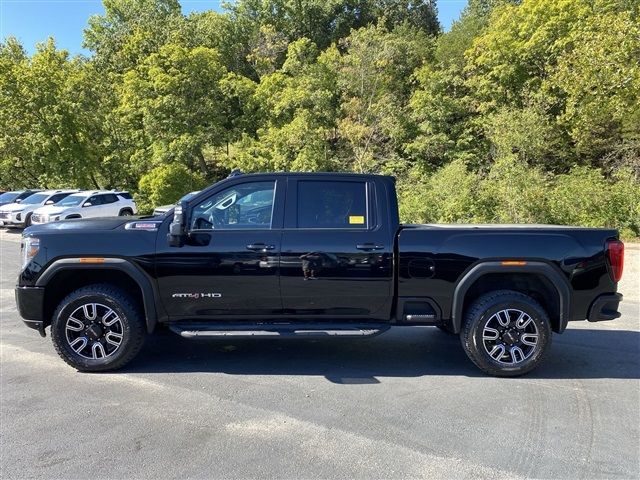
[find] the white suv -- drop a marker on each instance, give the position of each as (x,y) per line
(20,214)
(90,204)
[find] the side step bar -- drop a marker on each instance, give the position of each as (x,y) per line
(277,330)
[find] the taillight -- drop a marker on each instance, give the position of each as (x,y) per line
(615,256)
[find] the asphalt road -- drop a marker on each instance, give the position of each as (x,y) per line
(405,404)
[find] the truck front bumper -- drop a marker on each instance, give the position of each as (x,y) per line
(605,307)
(30,302)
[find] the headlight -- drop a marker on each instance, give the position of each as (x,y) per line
(30,247)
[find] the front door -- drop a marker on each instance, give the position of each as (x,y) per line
(229,267)
(336,259)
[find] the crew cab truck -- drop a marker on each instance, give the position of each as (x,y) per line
(297,255)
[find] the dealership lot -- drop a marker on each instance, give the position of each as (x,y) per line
(405,404)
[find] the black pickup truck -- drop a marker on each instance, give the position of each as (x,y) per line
(297,255)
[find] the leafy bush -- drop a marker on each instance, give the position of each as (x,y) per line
(448,196)
(513,192)
(584,197)
(165,185)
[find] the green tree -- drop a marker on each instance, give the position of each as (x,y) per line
(600,82)
(130,30)
(297,111)
(374,78)
(165,185)
(51,119)
(175,98)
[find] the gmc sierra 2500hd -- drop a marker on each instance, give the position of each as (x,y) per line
(301,255)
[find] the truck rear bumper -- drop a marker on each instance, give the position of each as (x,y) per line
(605,307)
(30,302)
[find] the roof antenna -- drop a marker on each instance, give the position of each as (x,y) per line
(235,173)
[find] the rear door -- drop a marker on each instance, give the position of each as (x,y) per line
(336,259)
(110,205)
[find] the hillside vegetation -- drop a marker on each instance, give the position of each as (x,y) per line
(522,112)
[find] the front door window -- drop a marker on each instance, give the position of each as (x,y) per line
(243,206)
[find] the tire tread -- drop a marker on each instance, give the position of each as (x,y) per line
(482,304)
(134,317)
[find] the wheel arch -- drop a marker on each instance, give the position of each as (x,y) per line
(61,278)
(540,280)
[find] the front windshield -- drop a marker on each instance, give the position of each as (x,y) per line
(9,197)
(71,201)
(35,198)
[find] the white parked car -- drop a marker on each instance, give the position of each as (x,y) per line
(90,204)
(20,214)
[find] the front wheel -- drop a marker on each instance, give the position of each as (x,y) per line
(506,333)
(97,328)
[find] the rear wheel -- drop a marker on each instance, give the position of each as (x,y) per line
(125,212)
(506,333)
(97,328)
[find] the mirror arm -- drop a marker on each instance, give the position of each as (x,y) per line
(177,228)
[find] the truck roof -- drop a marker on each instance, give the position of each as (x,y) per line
(311,174)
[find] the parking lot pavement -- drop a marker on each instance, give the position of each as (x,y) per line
(405,404)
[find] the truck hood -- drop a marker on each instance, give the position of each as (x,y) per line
(79,225)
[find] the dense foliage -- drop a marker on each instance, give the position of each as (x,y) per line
(523,112)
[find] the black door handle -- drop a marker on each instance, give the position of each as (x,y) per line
(369,246)
(260,247)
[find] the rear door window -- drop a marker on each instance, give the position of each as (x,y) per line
(327,204)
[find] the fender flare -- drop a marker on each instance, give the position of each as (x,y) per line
(551,273)
(148,298)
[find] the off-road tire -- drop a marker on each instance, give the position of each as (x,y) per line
(479,314)
(131,316)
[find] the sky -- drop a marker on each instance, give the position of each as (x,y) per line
(33,21)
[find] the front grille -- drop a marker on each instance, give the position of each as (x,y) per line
(4,215)
(37,218)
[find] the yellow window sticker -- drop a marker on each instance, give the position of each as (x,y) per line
(356,219)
